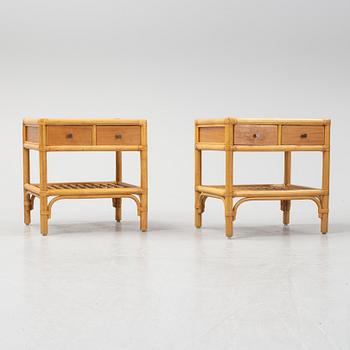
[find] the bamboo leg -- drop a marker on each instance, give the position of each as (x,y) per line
(285,204)
(325,186)
(228,217)
(228,180)
(144,182)
(27,218)
(198,213)
(143,214)
(26,179)
(324,218)
(43,196)
(118,209)
(228,197)
(198,181)
(43,216)
(118,201)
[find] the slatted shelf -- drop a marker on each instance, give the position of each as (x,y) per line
(262,190)
(85,187)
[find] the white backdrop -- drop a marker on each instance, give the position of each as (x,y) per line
(96,284)
(172,62)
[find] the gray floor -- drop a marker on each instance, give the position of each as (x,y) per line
(100,285)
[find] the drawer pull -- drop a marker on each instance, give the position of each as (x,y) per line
(256,136)
(303,136)
(118,136)
(69,136)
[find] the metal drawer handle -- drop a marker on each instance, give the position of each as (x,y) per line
(255,136)
(69,136)
(118,136)
(303,136)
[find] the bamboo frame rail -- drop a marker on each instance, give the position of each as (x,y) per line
(261,135)
(51,135)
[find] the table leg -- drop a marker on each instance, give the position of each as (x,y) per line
(324,219)
(44,227)
(143,213)
(118,201)
(26,180)
(286,204)
(325,186)
(43,195)
(27,217)
(228,217)
(198,181)
(285,207)
(228,194)
(144,182)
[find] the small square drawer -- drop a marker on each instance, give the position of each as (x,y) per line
(32,134)
(118,135)
(302,135)
(63,135)
(259,135)
(212,134)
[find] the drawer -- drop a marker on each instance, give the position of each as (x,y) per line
(32,134)
(212,134)
(118,135)
(245,134)
(302,135)
(61,135)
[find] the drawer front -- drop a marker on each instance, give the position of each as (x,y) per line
(212,134)
(32,134)
(302,135)
(255,134)
(63,135)
(118,135)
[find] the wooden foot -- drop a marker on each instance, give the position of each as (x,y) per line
(229,226)
(285,207)
(198,219)
(44,226)
(143,222)
(198,211)
(324,217)
(118,209)
(324,223)
(44,218)
(27,217)
(27,208)
(286,217)
(228,217)
(143,213)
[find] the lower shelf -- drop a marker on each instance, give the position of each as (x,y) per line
(245,193)
(85,188)
(261,190)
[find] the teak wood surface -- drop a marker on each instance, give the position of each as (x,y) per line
(117,135)
(264,135)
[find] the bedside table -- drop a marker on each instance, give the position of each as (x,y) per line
(54,135)
(261,135)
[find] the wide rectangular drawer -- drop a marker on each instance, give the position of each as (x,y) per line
(246,134)
(118,135)
(62,135)
(302,135)
(212,134)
